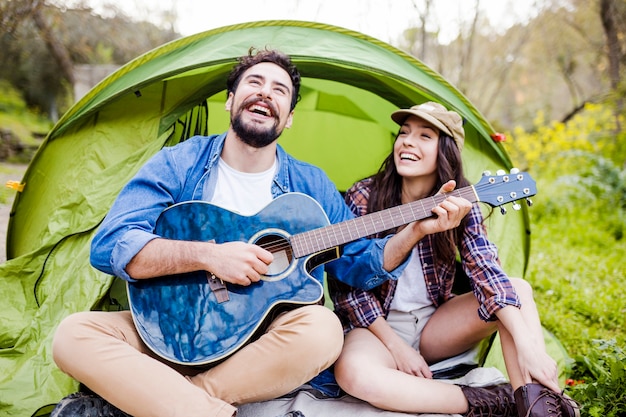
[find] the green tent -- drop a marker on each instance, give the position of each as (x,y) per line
(351,83)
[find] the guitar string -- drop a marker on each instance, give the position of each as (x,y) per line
(316,235)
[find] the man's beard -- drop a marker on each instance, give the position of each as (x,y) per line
(250,134)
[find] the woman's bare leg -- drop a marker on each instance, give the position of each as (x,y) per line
(454,328)
(366,370)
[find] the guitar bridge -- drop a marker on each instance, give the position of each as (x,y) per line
(218,287)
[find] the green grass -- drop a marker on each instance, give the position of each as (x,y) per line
(26,124)
(11,173)
(578,270)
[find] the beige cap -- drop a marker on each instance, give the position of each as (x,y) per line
(445,120)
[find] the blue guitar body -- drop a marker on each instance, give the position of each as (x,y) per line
(179,317)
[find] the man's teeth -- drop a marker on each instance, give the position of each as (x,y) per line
(261,110)
(408,156)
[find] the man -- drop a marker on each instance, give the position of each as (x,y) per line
(241,170)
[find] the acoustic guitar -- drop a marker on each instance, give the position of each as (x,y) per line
(196,319)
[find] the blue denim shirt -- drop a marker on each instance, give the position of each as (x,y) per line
(188,171)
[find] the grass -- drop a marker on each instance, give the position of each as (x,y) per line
(578,271)
(9,173)
(26,124)
(577,267)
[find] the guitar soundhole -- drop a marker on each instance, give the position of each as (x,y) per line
(283,256)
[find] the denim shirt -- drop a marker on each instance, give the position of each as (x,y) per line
(188,171)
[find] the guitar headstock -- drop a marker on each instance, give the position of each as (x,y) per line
(502,188)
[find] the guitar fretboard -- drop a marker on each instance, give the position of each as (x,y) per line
(327,237)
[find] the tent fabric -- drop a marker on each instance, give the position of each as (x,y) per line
(351,83)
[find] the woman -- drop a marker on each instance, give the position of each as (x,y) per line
(396,332)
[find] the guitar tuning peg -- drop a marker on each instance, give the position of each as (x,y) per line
(502,210)
(516,206)
(500,172)
(514,171)
(529,202)
(486,173)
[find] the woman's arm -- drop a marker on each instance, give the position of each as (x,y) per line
(447,215)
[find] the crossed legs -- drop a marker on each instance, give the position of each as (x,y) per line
(103,351)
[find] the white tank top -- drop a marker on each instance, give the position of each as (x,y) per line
(242,192)
(411,291)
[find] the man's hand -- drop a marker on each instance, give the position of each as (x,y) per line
(240,263)
(235,262)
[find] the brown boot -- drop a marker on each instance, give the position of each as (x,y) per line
(535,400)
(492,401)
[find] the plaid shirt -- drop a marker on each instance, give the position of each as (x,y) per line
(479,259)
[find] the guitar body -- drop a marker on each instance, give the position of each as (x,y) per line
(180,318)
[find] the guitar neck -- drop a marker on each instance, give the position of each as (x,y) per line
(323,238)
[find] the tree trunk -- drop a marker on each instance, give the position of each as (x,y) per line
(608,14)
(467,51)
(56,48)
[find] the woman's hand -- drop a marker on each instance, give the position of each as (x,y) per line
(407,359)
(537,366)
(448,214)
(410,361)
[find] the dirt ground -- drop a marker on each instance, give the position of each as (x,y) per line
(8,172)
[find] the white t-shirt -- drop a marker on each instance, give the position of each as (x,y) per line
(411,293)
(253,191)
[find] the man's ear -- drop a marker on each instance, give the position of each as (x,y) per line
(289,120)
(229,102)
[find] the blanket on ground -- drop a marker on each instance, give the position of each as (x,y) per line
(313,403)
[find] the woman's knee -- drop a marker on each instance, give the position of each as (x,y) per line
(355,377)
(359,362)
(523,289)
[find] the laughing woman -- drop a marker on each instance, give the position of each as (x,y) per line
(398,331)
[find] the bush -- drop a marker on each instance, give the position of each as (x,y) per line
(599,381)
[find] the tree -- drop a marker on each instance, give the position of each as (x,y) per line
(12,13)
(57,49)
(612,14)
(41,43)
(552,64)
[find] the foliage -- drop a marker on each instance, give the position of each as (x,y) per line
(590,131)
(599,380)
(89,39)
(27,125)
(552,64)
(578,249)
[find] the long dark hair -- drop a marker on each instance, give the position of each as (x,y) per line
(386,191)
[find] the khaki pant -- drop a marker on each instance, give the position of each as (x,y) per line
(104,351)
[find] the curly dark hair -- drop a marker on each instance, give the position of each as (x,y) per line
(255,57)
